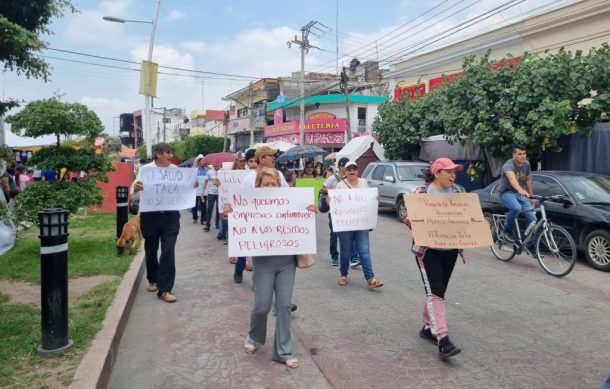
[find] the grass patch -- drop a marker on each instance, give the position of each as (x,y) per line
(91,252)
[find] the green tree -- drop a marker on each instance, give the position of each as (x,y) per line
(53,117)
(21,23)
(536,103)
(192,146)
(197,144)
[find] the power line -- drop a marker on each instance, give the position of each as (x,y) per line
(507,33)
(138,70)
(353,52)
(160,66)
(450,31)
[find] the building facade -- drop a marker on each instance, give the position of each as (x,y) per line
(326,122)
(577,26)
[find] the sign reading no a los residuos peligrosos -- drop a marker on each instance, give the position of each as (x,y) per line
(353,209)
(271,221)
(447,220)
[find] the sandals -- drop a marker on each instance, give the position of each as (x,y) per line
(292,363)
(249,347)
(374,283)
(342,280)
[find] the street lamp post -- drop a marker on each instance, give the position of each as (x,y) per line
(146,122)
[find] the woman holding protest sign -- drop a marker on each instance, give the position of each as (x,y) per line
(436,264)
(349,239)
(272,274)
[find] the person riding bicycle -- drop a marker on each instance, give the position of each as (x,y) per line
(516,190)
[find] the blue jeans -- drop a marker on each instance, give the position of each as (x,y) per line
(334,253)
(516,204)
(240,265)
(223,227)
(348,240)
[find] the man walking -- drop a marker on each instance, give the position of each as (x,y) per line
(160,226)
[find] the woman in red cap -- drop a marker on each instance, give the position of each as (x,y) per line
(436,264)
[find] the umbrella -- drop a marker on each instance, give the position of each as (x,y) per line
(278,144)
(304,151)
(217,159)
(188,162)
(331,156)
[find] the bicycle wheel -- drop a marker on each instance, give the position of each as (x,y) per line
(556,251)
(502,250)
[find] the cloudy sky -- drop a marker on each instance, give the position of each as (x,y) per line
(224,45)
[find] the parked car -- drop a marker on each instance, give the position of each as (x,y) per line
(585,213)
(393,179)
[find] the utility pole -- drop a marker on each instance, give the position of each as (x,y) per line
(226,128)
(305,46)
(251,114)
(343,87)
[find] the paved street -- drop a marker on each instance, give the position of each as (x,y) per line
(517,326)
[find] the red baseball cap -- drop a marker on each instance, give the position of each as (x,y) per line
(444,164)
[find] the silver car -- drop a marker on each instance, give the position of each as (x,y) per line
(393,179)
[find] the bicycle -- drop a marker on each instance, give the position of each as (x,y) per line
(553,247)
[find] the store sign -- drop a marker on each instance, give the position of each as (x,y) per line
(311,126)
(321,115)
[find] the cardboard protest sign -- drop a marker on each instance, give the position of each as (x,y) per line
(271,221)
(229,181)
(447,220)
(315,183)
(167,188)
(353,209)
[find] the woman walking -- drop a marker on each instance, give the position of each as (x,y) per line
(273,275)
(436,264)
(349,239)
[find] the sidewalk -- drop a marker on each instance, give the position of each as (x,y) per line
(517,327)
(197,341)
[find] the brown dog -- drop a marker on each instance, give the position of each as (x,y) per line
(130,235)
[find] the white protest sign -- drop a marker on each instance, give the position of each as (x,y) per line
(167,188)
(227,165)
(229,181)
(353,209)
(271,221)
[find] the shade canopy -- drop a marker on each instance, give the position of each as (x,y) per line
(304,151)
(217,159)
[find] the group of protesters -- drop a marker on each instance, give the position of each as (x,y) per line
(274,275)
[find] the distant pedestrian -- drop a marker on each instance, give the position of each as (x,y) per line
(436,264)
(210,188)
(309,171)
(273,275)
(199,208)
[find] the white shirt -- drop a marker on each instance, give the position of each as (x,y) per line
(249,180)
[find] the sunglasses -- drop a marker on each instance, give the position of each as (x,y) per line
(352,168)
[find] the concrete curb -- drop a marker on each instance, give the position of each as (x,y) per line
(94,370)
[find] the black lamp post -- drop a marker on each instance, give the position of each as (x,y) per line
(121,212)
(54,281)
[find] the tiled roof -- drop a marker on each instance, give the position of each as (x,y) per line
(214,114)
